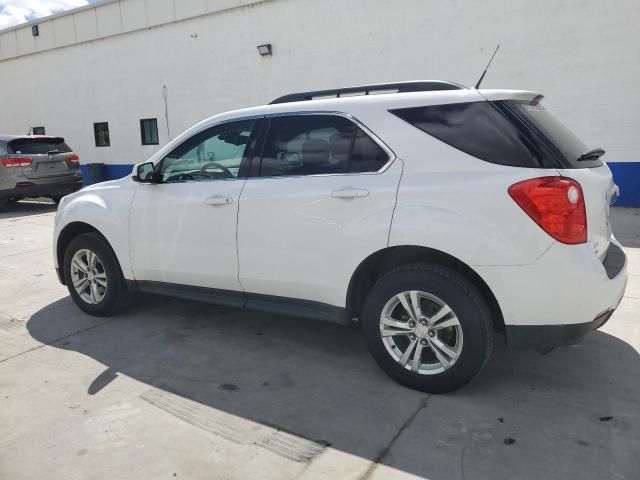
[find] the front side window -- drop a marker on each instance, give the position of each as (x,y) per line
(213,154)
(318,144)
(101,134)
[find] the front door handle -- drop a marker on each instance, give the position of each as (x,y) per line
(218,200)
(350,193)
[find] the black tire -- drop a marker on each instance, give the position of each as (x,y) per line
(461,296)
(116,294)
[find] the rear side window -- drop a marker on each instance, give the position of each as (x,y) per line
(477,128)
(519,134)
(38,146)
(318,144)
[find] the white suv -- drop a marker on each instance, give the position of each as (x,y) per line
(433,214)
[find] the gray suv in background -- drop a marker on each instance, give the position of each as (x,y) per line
(37,166)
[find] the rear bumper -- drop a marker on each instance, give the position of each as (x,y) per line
(560,298)
(526,337)
(44,187)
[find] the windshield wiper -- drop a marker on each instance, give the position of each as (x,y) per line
(594,154)
(53,152)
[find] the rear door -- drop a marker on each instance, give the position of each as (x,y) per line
(321,201)
(49,156)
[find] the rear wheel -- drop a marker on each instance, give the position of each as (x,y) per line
(428,327)
(93,275)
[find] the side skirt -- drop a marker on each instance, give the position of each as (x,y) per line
(252,301)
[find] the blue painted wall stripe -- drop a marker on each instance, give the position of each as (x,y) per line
(625,174)
(627,177)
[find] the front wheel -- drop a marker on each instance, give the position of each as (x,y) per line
(93,275)
(428,327)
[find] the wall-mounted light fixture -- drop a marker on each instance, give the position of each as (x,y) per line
(265,49)
(35,31)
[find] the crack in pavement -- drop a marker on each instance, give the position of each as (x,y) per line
(56,340)
(385,451)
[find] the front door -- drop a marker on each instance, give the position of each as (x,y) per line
(183,230)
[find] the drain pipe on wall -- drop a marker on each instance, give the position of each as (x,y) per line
(166,109)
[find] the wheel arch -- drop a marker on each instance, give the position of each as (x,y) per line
(378,263)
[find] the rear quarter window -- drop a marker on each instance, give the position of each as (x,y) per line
(480,129)
(519,134)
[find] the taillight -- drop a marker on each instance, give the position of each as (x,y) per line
(556,204)
(16,162)
(73,158)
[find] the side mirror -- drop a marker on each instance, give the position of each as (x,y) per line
(146,173)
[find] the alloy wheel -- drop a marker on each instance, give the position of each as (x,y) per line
(421,332)
(88,276)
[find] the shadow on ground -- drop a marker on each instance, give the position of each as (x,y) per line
(25,208)
(318,381)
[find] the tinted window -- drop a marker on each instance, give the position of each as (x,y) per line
(38,130)
(101,134)
(482,129)
(149,131)
(318,144)
(366,156)
(213,154)
(569,146)
(38,146)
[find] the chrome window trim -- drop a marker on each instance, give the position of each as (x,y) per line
(390,153)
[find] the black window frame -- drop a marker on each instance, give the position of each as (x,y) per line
(256,163)
(142,131)
(257,133)
(40,131)
(97,125)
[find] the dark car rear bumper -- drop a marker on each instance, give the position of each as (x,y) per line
(44,187)
(544,337)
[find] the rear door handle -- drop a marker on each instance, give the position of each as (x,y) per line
(350,193)
(218,200)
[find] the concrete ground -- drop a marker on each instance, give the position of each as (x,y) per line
(174,389)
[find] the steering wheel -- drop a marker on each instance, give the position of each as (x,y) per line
(184,176)
(203,169)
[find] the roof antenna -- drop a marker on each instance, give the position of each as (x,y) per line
(29,132)
(485,70)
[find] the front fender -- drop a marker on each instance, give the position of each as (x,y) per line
(104,207)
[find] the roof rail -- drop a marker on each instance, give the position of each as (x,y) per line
(396,87)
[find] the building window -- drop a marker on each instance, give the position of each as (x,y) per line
(149,131)
(101,134)
(37,130)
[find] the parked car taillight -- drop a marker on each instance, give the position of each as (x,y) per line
(74,158)
(556,204)
(16,162)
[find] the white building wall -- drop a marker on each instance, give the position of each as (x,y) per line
(112,62)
